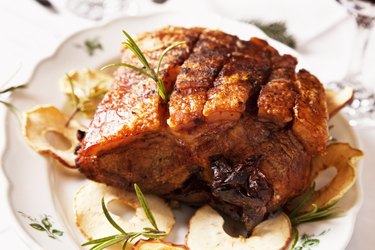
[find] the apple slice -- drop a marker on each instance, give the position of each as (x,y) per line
(206,232)
(336,101)
(157,245)
(93,224)
(342,157)
(45,131)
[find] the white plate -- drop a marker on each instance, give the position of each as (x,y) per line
(37,187)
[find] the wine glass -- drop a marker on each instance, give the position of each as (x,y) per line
(361,112)
(102,9)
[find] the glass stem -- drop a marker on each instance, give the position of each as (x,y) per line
(364,25)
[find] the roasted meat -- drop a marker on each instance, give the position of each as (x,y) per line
(238,132)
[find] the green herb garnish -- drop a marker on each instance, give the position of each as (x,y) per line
(146,70)
(84,98)
(275,30)
(12,88)
(124,237)
(298,215)
(9,105)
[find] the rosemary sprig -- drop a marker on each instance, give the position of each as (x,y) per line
(145,207)
(298,215)
(12,88)
(9,105)
(146,70)
(123,236)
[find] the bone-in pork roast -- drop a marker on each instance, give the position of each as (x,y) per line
(238,132)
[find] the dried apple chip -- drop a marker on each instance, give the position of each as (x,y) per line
(336,101)
(344,158)
(93,224)
(206,232)
(45,131)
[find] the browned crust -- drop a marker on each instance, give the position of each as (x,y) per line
(197,75)
(134,106)
(310,123)
(276,101)
(219,79)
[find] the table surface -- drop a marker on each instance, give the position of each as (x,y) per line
(324,34)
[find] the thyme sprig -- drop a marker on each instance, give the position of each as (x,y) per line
(146,70)
(123,236)
(298,215)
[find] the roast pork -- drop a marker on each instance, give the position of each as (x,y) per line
(238,132)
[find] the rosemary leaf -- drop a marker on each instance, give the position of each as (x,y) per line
(145,207)
(311,212)
(109,218)
(100,240)
(125,237)
(306,198)
(134,47)
(165,52)
(142,59)
(124,244)
(127,65)
(135,235)
(329,206)
(12,88)
(295,236)
(318,214)
(9,105)
(13,109)
(297,216)
(106,244)
(321,217)
(147,70)
(154,235)
(161,90)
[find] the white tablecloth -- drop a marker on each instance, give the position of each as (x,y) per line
(29,32)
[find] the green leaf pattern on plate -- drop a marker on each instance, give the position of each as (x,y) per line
(91,46)
(309,241)
(43,225)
